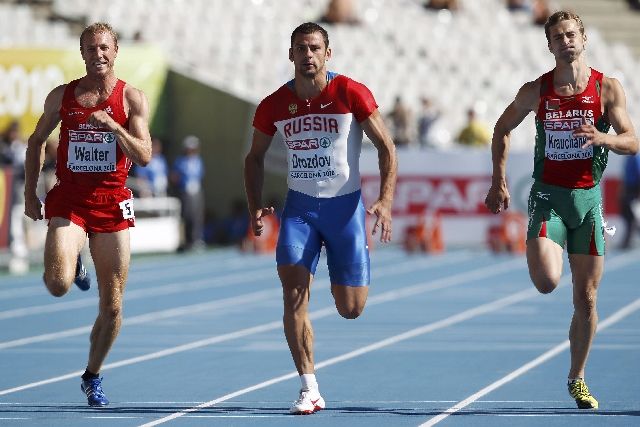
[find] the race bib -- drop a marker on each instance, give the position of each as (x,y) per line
(561,144)
(311,158)
(126,206)
(91,151)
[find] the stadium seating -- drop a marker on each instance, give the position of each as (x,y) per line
(477,56)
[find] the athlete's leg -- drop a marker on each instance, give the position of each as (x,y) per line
(350,300)
(111,254)
(544,258)
(296,288)
(62,245)
(345,237)
(546,237)
(586,271)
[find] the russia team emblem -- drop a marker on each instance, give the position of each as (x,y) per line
(293,108)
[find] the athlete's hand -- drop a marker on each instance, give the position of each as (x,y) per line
(101,119)
(33,207)
(592,135)
(382,210)
(498,197)
(256,219)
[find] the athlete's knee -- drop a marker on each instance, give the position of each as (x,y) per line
(350,311)
(349,314)
(55,285)
(111,311)
(57,290)
(544,283)
(585,302)
(545,287)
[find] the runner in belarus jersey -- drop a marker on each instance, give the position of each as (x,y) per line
(323,138)
(91,167)
(575,106)
(559,157)
(565,200)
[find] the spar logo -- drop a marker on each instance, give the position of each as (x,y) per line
(562,124)
(454,195)
(92,136)
(303,144)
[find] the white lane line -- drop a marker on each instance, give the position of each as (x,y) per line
(224,303)
(449,321)
(175,266)
(460,317)
(169,289)
(180,287)
(385,297)
(153,316)
(614,318)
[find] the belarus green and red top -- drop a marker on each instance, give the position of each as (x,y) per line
(559,158)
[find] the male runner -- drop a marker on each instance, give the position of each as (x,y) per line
(321,116)
(104,128)
(575,106)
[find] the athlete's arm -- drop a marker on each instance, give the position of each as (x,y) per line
(377,132)
(615,108)
(35,151)
(135,142)
(526,101)
(254,180)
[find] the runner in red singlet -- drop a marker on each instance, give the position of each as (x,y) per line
(104,128)
(575,106)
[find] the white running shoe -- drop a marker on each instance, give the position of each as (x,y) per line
(309,402)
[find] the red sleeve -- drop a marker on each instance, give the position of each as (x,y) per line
(262,120)
(361,100)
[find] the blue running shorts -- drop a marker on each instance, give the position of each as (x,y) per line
(338,223)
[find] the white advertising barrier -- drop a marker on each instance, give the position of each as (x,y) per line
(158,226)
(454,183)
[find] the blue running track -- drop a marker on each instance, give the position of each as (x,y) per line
(458,339)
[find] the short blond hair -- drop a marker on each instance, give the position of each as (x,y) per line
(559,16)
(99,27)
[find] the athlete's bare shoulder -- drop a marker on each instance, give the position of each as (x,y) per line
(133,94)
(612,90)
(528,96)
(134,99)
(53,102)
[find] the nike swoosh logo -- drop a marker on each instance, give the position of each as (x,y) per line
(325,105)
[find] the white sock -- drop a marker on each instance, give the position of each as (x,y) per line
(308,381)
(572,380)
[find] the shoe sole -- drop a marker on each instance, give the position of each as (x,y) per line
(586,406)
(316,409)
(95,405)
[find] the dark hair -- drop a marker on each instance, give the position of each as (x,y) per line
(99,27)
(310,28)
(562,15)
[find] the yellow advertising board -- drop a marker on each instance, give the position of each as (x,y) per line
(28,75)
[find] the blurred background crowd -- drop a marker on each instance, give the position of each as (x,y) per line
(441,71)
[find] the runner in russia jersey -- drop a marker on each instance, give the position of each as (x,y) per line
(88,156)
(559,157)
(323,136)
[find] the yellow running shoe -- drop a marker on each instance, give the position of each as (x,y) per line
(580,392)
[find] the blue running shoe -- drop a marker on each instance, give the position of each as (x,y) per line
(82,279)
(93,389)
